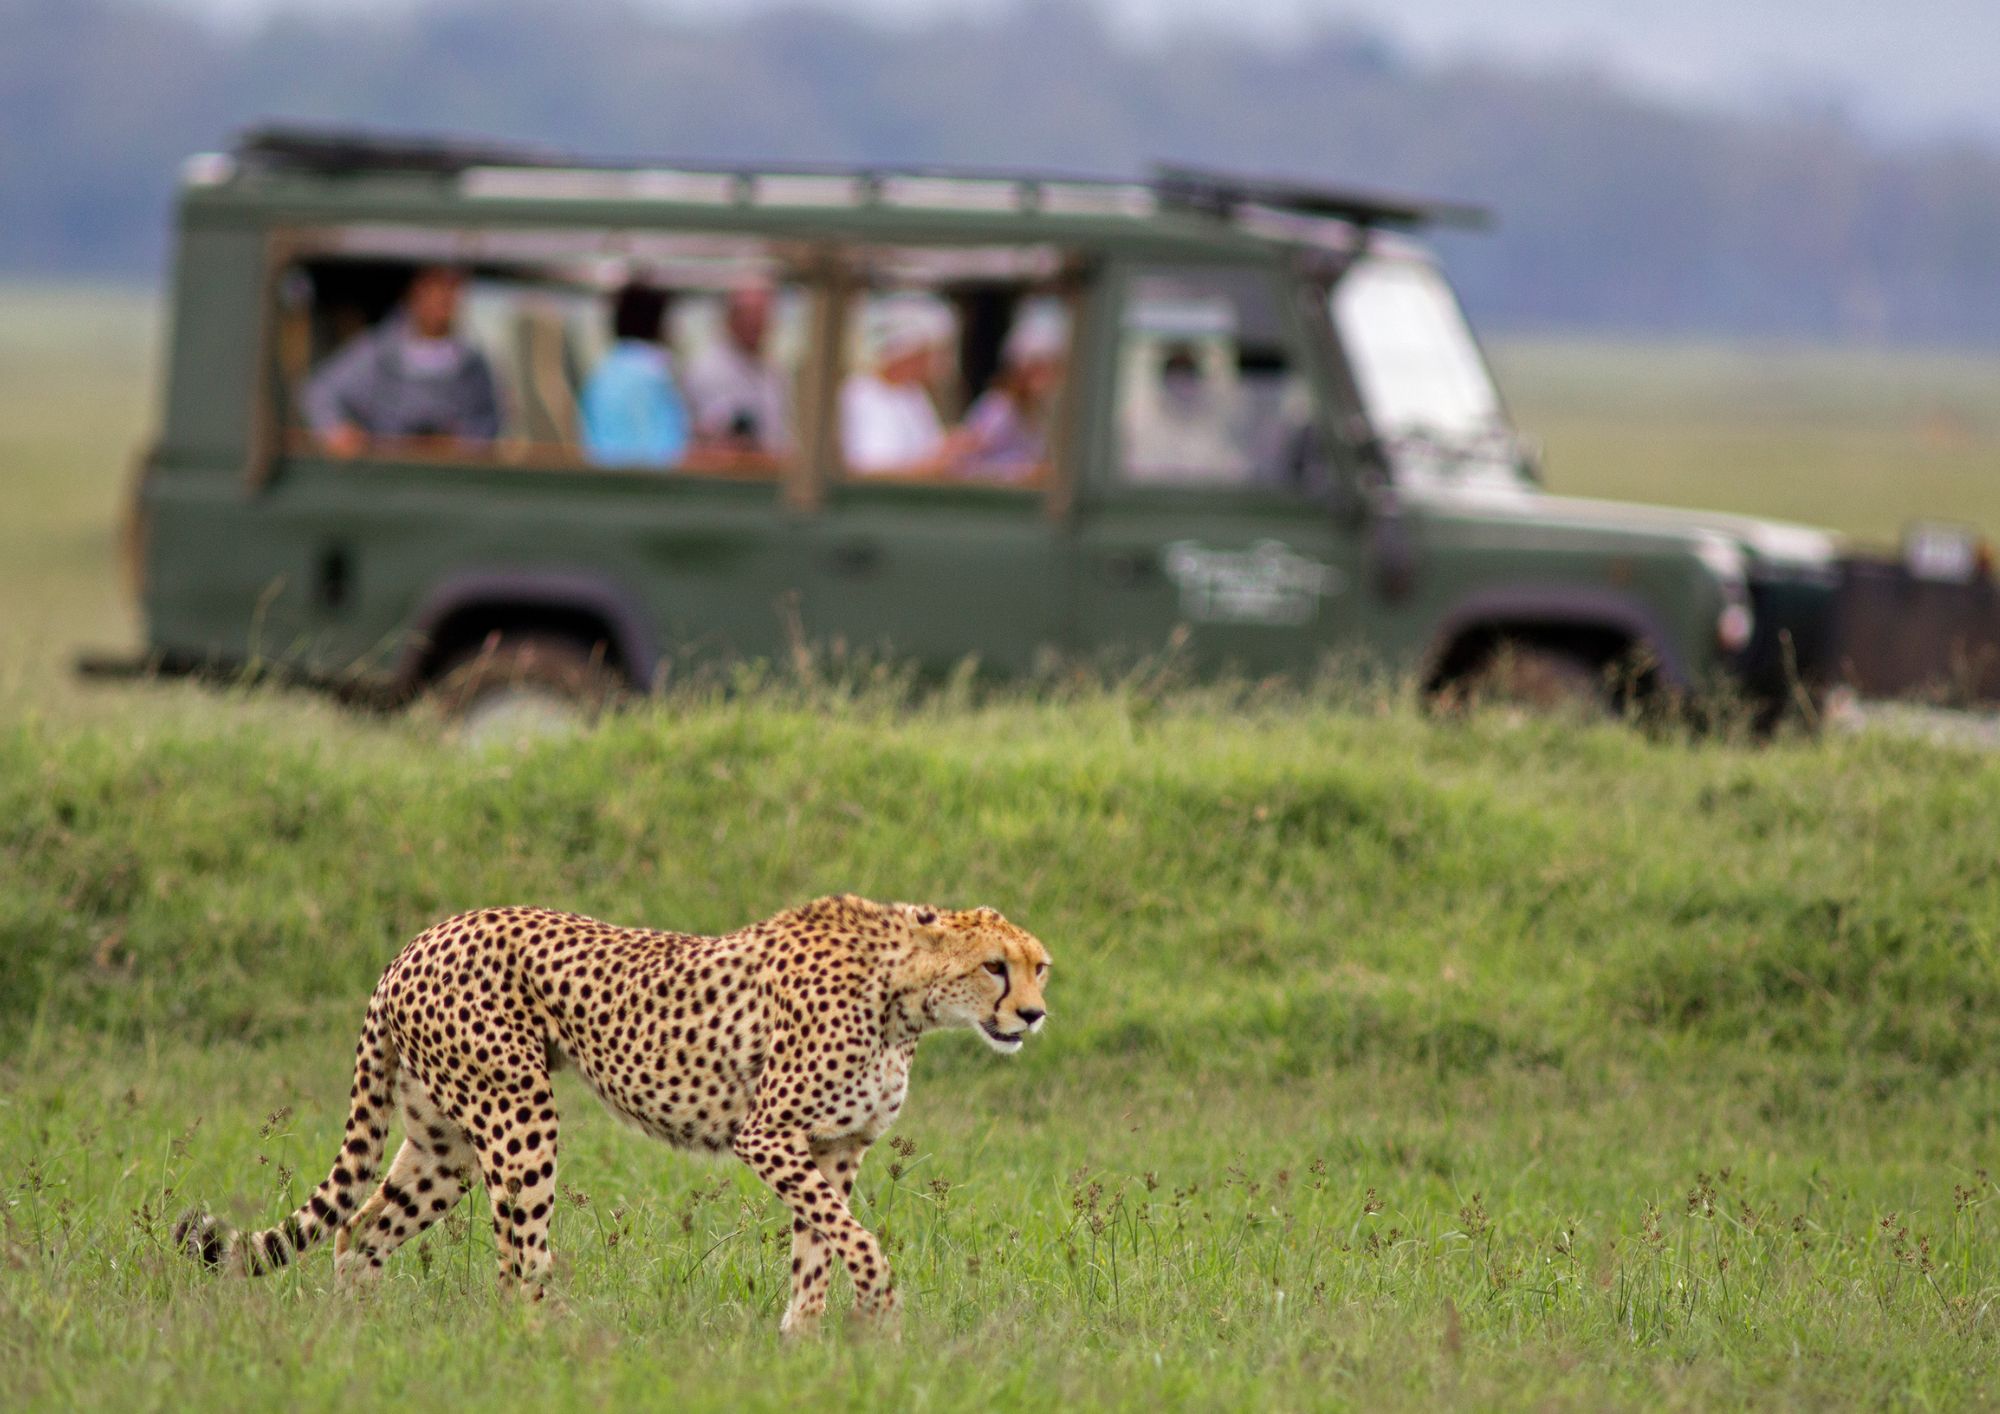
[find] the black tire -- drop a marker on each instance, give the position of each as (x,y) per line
(526,684)
(1532,677)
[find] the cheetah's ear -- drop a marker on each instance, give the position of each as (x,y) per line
(925,921)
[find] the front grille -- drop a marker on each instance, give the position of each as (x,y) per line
(1792,641)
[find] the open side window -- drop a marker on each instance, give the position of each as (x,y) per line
(954,365)
(561,351)
(1212,387)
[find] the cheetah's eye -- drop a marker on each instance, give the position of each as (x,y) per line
(998,969)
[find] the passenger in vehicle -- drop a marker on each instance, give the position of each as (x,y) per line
(631,409)
(738,395)
(409,376)
(1186,432)
(1007,425)
(888,421)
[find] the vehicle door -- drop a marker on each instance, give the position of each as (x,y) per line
(933,541)
(1206,519)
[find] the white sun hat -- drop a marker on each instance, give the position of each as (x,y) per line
(903,324)
(1040,333)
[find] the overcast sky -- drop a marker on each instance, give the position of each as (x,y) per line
(1907,68)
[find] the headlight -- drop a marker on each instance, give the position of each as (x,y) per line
(1734,627)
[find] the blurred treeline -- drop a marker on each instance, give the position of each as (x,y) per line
(1618,212)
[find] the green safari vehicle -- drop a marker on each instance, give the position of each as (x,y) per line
(942,415)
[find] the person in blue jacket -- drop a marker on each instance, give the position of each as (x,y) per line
(632,412)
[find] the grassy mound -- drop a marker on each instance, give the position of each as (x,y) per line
(1278,887)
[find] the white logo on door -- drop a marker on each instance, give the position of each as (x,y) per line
(1269,583)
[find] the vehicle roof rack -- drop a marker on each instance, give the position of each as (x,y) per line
(1223,196)
(332,150)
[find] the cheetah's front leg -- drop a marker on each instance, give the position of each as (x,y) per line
(839,1162)
(784,1159)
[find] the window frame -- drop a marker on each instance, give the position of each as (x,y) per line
(1291,288)
(1073,271)
(278,438)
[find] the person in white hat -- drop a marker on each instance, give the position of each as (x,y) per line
(888,423)
(1007,424)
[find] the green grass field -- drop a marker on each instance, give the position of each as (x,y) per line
(1391,1063)
(1861,442)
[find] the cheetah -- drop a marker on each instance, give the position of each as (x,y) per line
(787,1043)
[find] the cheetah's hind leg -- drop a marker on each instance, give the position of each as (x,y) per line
(425,1181)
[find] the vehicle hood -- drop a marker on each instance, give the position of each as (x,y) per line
(1774,547)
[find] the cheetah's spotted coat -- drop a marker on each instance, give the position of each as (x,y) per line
(787,1043)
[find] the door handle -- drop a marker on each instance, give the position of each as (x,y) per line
(856,557)
(1127,567)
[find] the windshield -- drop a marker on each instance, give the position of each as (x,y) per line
(1423,383)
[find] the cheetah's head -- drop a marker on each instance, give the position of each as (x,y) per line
(986,974)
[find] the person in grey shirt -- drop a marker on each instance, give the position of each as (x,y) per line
(409,376)
(736,393)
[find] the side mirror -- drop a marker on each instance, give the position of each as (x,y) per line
(1366,451)
(1530,463)
(1367,459)
(1313,475)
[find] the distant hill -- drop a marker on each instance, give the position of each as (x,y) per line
(1617,213)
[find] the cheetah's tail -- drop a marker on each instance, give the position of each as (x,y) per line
(217,1244)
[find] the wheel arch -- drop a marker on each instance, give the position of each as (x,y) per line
(1599,626)
(463,611)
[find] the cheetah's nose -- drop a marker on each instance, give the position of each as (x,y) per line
(1030,1014)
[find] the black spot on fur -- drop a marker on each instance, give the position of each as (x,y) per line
(201,1238)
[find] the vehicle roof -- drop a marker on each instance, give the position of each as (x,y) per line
(312,175)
